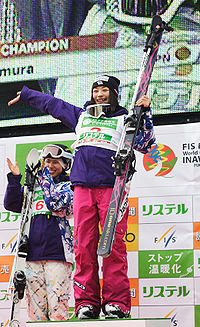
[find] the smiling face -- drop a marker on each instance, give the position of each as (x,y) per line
(54,166)
(101,94)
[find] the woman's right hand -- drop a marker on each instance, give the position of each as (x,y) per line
(13,168)
(15,99)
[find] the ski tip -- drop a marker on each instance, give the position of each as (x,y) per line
(33,152)
(33,157)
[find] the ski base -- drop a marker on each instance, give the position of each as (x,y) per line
(124,160)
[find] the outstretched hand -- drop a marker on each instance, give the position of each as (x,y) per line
(13,168)
(143,101)
(15,99)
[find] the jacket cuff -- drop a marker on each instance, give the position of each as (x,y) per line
(14,179)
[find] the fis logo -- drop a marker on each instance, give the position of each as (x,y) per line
(167,237)
(160,154)
(11,244)
(4,325)
(172,315)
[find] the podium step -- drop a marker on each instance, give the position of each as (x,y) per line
(104,323)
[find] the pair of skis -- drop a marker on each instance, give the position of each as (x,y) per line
(124,160)
(17,281)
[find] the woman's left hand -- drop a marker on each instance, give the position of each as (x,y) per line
(143,101)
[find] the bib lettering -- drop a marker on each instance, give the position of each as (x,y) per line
(101,132)
(39,206)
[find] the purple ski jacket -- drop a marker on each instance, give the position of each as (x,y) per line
(92,166)
(50,237)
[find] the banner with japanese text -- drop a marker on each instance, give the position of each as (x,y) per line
(163,235)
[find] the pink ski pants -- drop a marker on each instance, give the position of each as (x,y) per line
(90,207)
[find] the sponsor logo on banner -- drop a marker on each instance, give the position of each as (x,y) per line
(4,323)
(180,316)
(6,263)
(191,154)
(8,217)
(173,315)
(165,209)
(166,264)
(8,243)
(134,290)
(160,153)
(167,291)
(196,235)
(165,236)
(133,211)
(131,237)
(4,297)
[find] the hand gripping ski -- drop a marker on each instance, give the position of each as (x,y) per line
(124,160)
(17,282)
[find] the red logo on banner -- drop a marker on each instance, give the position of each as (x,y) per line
(160,153)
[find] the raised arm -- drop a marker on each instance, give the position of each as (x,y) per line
(65,112)
(14,192)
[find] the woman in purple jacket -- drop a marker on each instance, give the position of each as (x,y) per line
(49,261)
(98,129)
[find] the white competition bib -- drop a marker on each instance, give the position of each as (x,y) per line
(101,132)
(39,206)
